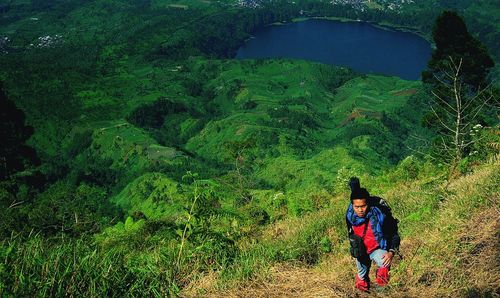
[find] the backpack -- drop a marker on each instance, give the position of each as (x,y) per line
(391,223)
(383,206)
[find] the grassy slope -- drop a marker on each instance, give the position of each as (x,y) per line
(444,232)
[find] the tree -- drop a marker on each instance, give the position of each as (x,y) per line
(14,153)
(453,40)
(456,111)
(457,80)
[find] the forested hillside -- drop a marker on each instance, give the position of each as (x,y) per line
(140,159)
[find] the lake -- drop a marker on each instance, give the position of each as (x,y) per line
(358,45)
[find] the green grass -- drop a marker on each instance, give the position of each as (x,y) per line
(128,258)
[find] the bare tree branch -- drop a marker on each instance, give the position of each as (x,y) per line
(441,120)
(443,101)
(479,93)
(15,204)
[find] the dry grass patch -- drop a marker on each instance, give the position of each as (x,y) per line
(287,280)
(479,253)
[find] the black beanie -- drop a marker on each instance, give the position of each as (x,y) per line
(356,191)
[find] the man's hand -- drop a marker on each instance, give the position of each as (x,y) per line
(387,259)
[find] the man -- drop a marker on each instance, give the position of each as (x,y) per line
(373,234)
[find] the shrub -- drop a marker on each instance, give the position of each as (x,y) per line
(408,168)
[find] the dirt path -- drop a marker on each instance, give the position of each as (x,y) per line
(286,280)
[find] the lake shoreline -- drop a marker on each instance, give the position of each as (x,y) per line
(382,25)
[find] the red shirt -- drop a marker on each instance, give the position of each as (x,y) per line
(371,243)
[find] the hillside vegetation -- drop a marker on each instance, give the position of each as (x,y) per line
(449,245)
(165,168)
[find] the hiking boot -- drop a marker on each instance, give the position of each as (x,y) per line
(361,284)
(382,276)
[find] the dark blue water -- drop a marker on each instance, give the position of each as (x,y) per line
(357,45)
